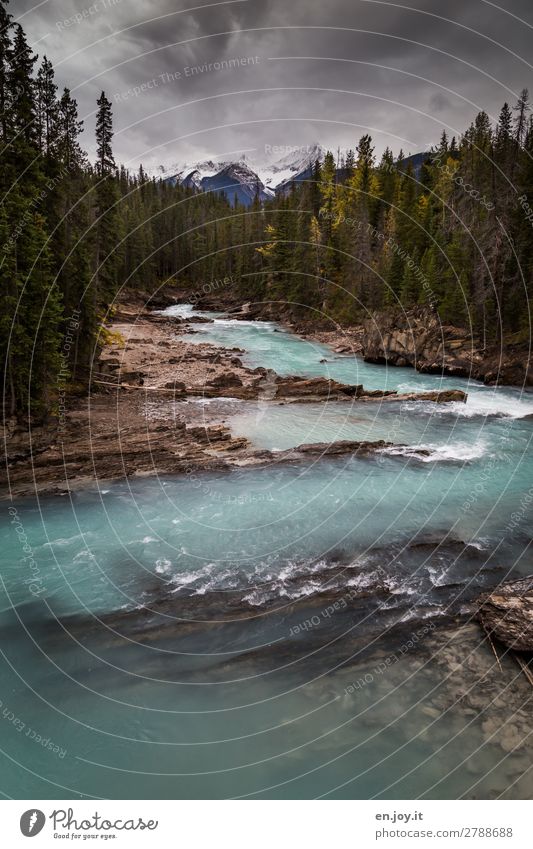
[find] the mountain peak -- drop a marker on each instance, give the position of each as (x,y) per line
(242,178)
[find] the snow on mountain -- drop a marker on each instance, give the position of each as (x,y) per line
(242,179)
(238,182)
(289,166)
(185,174)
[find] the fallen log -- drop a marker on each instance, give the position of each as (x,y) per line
(506,613)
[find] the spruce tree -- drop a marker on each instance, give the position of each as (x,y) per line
(22,98)
(5,64)
(47,110)
(108,250)
(105,164)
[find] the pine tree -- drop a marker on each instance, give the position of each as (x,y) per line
(504,132)
(410,289)
(107,225)
(41,312)
(47,110)
(74,238)
(522,108)
(5,64)
(105,164)
(22,97)
(69,130)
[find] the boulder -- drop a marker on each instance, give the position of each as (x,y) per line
(507,613)
(225,381)
(178,387)
(320,387)
(418,338)
(342,446)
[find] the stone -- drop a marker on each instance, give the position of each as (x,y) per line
(418,338)
(511,738)
(507,613)
(225,380)
(178,387)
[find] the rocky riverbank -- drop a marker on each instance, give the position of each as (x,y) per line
(145,411)
(418,338)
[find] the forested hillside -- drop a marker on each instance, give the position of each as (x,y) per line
(360,235)
(457,236)
(72,233)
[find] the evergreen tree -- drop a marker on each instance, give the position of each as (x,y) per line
(69,130)
(410,289)
(104,137)
(22,98)
(522,108)
(5,64)
(108,229)
(47,110)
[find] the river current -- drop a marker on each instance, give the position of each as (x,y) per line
(293,631)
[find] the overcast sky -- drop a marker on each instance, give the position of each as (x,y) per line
(312,72)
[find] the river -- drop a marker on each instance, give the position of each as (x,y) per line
(292,631)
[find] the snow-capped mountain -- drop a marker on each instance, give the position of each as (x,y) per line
(238,182)
(188,174)
(242,179)
(290,167)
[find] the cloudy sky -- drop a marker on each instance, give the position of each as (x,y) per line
(309,71)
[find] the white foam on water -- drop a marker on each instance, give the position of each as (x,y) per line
(179,311)
(452,452)
(62,541)
(482,401)
(494,403)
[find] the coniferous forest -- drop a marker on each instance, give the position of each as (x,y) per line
(452,229)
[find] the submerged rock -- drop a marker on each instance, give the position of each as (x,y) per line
(343,446)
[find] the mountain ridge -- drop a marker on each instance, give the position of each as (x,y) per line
(242,179)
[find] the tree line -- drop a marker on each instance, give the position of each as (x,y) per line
(451,229)
(73,233)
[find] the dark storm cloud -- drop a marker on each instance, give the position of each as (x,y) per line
(241,75)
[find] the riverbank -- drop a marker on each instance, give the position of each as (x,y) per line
(320,560)
(416,338)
